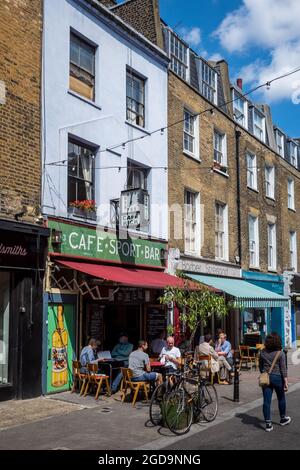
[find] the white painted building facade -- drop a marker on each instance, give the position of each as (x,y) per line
(103,84)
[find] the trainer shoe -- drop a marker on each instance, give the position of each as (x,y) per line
(269,427)
(286,420)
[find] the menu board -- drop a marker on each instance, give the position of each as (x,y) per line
(95,321)
(156,321)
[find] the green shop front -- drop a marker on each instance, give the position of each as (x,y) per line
(99,284)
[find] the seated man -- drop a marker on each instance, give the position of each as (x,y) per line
(139,364)
(88,354)
(121,354)
(218,363)
(170,356)
(185,344)
(158,343)
(223,349)
(122,350)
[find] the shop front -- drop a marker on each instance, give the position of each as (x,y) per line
(22,264)
(252,308)
(99,286)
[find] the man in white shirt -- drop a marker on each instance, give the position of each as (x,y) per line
(170,356)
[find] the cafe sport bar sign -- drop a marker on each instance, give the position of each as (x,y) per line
(97,244)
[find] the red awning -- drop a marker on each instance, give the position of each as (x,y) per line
(129,276)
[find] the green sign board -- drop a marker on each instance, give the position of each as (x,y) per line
(98,244)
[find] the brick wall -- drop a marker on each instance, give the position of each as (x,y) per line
(20,71)
(108,3)
(144,16)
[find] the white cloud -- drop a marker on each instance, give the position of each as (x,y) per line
(215,57)
(191,35)
(271,25)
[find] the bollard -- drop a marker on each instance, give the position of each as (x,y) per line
(236,385)
(286,358)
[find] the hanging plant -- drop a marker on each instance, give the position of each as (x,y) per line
(197,306)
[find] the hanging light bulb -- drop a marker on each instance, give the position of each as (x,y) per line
(212,112)
(124,146)
(268,85)
(162,131)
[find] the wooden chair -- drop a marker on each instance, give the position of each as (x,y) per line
(206,366)
(134,387)
(97,380)
(246,358)
(79,378)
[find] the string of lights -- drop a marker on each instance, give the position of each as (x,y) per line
(211,110)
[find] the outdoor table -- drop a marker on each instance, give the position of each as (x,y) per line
(111,364)
(155,364)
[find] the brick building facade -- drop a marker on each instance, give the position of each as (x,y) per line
(22,240)
(260,227)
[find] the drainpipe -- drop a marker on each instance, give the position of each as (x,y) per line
(238,192)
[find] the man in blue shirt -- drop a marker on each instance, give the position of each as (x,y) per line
(88,354)
(223,348)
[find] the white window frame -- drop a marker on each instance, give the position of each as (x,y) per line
(293,251)
(254,260)
(192,218)
(180,61)
(272,247)
(259,132)
(279,137)
(237,111)
(221,233)
(251,161)
(220,151)
(291,194)
(270,181)
(207,88)
(293,153)
(191,134)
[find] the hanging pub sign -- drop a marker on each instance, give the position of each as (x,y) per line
(135,209)
(20,250)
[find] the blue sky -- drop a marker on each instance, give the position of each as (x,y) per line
(260,39)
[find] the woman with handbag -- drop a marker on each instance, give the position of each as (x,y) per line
(273,370)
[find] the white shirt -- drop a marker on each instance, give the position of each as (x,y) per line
(174,353)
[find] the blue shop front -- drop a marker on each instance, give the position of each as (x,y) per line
(268,318)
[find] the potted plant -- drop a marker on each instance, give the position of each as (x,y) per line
(86,209)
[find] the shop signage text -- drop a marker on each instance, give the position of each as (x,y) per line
(95,243)
(206,267)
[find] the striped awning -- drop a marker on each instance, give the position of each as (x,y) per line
(245,294)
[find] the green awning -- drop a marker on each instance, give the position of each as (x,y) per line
(245,294)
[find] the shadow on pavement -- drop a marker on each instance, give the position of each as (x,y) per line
(251,420)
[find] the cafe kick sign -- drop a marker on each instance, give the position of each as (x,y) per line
(97,244)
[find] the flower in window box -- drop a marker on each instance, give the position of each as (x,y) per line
(86,205)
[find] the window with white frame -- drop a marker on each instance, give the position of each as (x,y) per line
(270,181)
(220,150)
(191,222)
(253,242)
(135,98)
(272,248)
(191,134)
(279,142)
(221,231)
(251,171)
(179,55)
(291,194)
(293,153)
(82,67)
(240,109)
(259,123)
(209,82)
(293,251)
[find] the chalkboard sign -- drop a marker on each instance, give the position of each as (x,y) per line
(95,322)
(156,321)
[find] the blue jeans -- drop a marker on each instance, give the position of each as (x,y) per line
(277,384)
(146,377)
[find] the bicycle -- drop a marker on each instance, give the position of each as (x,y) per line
(192,398)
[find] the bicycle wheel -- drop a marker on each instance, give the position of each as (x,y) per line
(178,411)
(156,405)
(209,402)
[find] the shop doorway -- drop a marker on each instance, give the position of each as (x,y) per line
(122,319)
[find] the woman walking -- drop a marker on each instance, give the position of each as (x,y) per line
(272,361)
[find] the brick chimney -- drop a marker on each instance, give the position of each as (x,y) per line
(239,83)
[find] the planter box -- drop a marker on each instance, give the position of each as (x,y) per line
(88,215)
